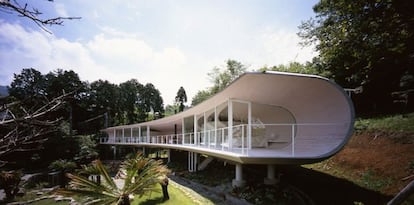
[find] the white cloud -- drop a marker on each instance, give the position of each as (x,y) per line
(283,47)
(111,58)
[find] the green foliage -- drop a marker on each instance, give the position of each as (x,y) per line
(295,67)
(28,84)
(139,176)
(221,77)
(181,98)
(62,165)
(364,43)
(396,123)
(87,149)
(370,181)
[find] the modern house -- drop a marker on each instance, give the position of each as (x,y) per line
(261,118)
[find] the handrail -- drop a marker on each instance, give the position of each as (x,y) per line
(217,139)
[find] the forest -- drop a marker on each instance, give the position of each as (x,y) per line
(365,46)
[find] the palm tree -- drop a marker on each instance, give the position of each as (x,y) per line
(139,175)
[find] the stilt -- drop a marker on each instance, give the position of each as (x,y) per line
(192,161)
(169,155)
(114,149)
(238,181)
(270,180)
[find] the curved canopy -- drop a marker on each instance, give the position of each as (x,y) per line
(310,100)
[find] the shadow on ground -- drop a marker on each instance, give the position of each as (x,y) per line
(327,189)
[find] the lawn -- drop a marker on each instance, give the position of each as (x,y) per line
(177,196)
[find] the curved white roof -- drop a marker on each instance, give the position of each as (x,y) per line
(310,99)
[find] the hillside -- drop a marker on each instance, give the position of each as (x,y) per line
(379,156)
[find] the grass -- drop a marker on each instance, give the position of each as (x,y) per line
(176,197)
(399,123)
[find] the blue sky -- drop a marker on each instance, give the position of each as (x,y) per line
(167,43)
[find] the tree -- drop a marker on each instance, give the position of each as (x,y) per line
(27,11)
(30,84)
(129,93)
(221,78)
(365,43)
(103,97)
(295,67)
(181,98)
(201,96)
(151,101)
(140,175)
(26,128)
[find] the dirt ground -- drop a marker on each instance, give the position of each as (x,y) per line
(379,163)
(387,157)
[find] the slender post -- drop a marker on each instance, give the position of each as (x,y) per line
(293,139)
(230,123)
(183,130)
(215,125)
(195,129)
(148,134)
(132,135)
(139,134)
(249,125)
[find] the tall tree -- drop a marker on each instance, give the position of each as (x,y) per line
(30,83)
(367,43)
(221,77)
(152,101)
(130,92)
(181,98)
(103,103)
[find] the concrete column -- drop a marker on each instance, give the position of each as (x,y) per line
(114,151)
(192,161)
(271,179)
(169,155)
(238,181)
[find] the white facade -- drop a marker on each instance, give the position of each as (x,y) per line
(261,118)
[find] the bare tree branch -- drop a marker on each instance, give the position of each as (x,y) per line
(22,130)
(32,13)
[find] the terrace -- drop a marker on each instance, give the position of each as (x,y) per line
(261,118)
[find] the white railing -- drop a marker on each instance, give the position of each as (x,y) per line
(271,136)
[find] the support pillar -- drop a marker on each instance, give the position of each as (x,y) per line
(270,179)
(169,155)
(114,151)
(192,161)
(238,181)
